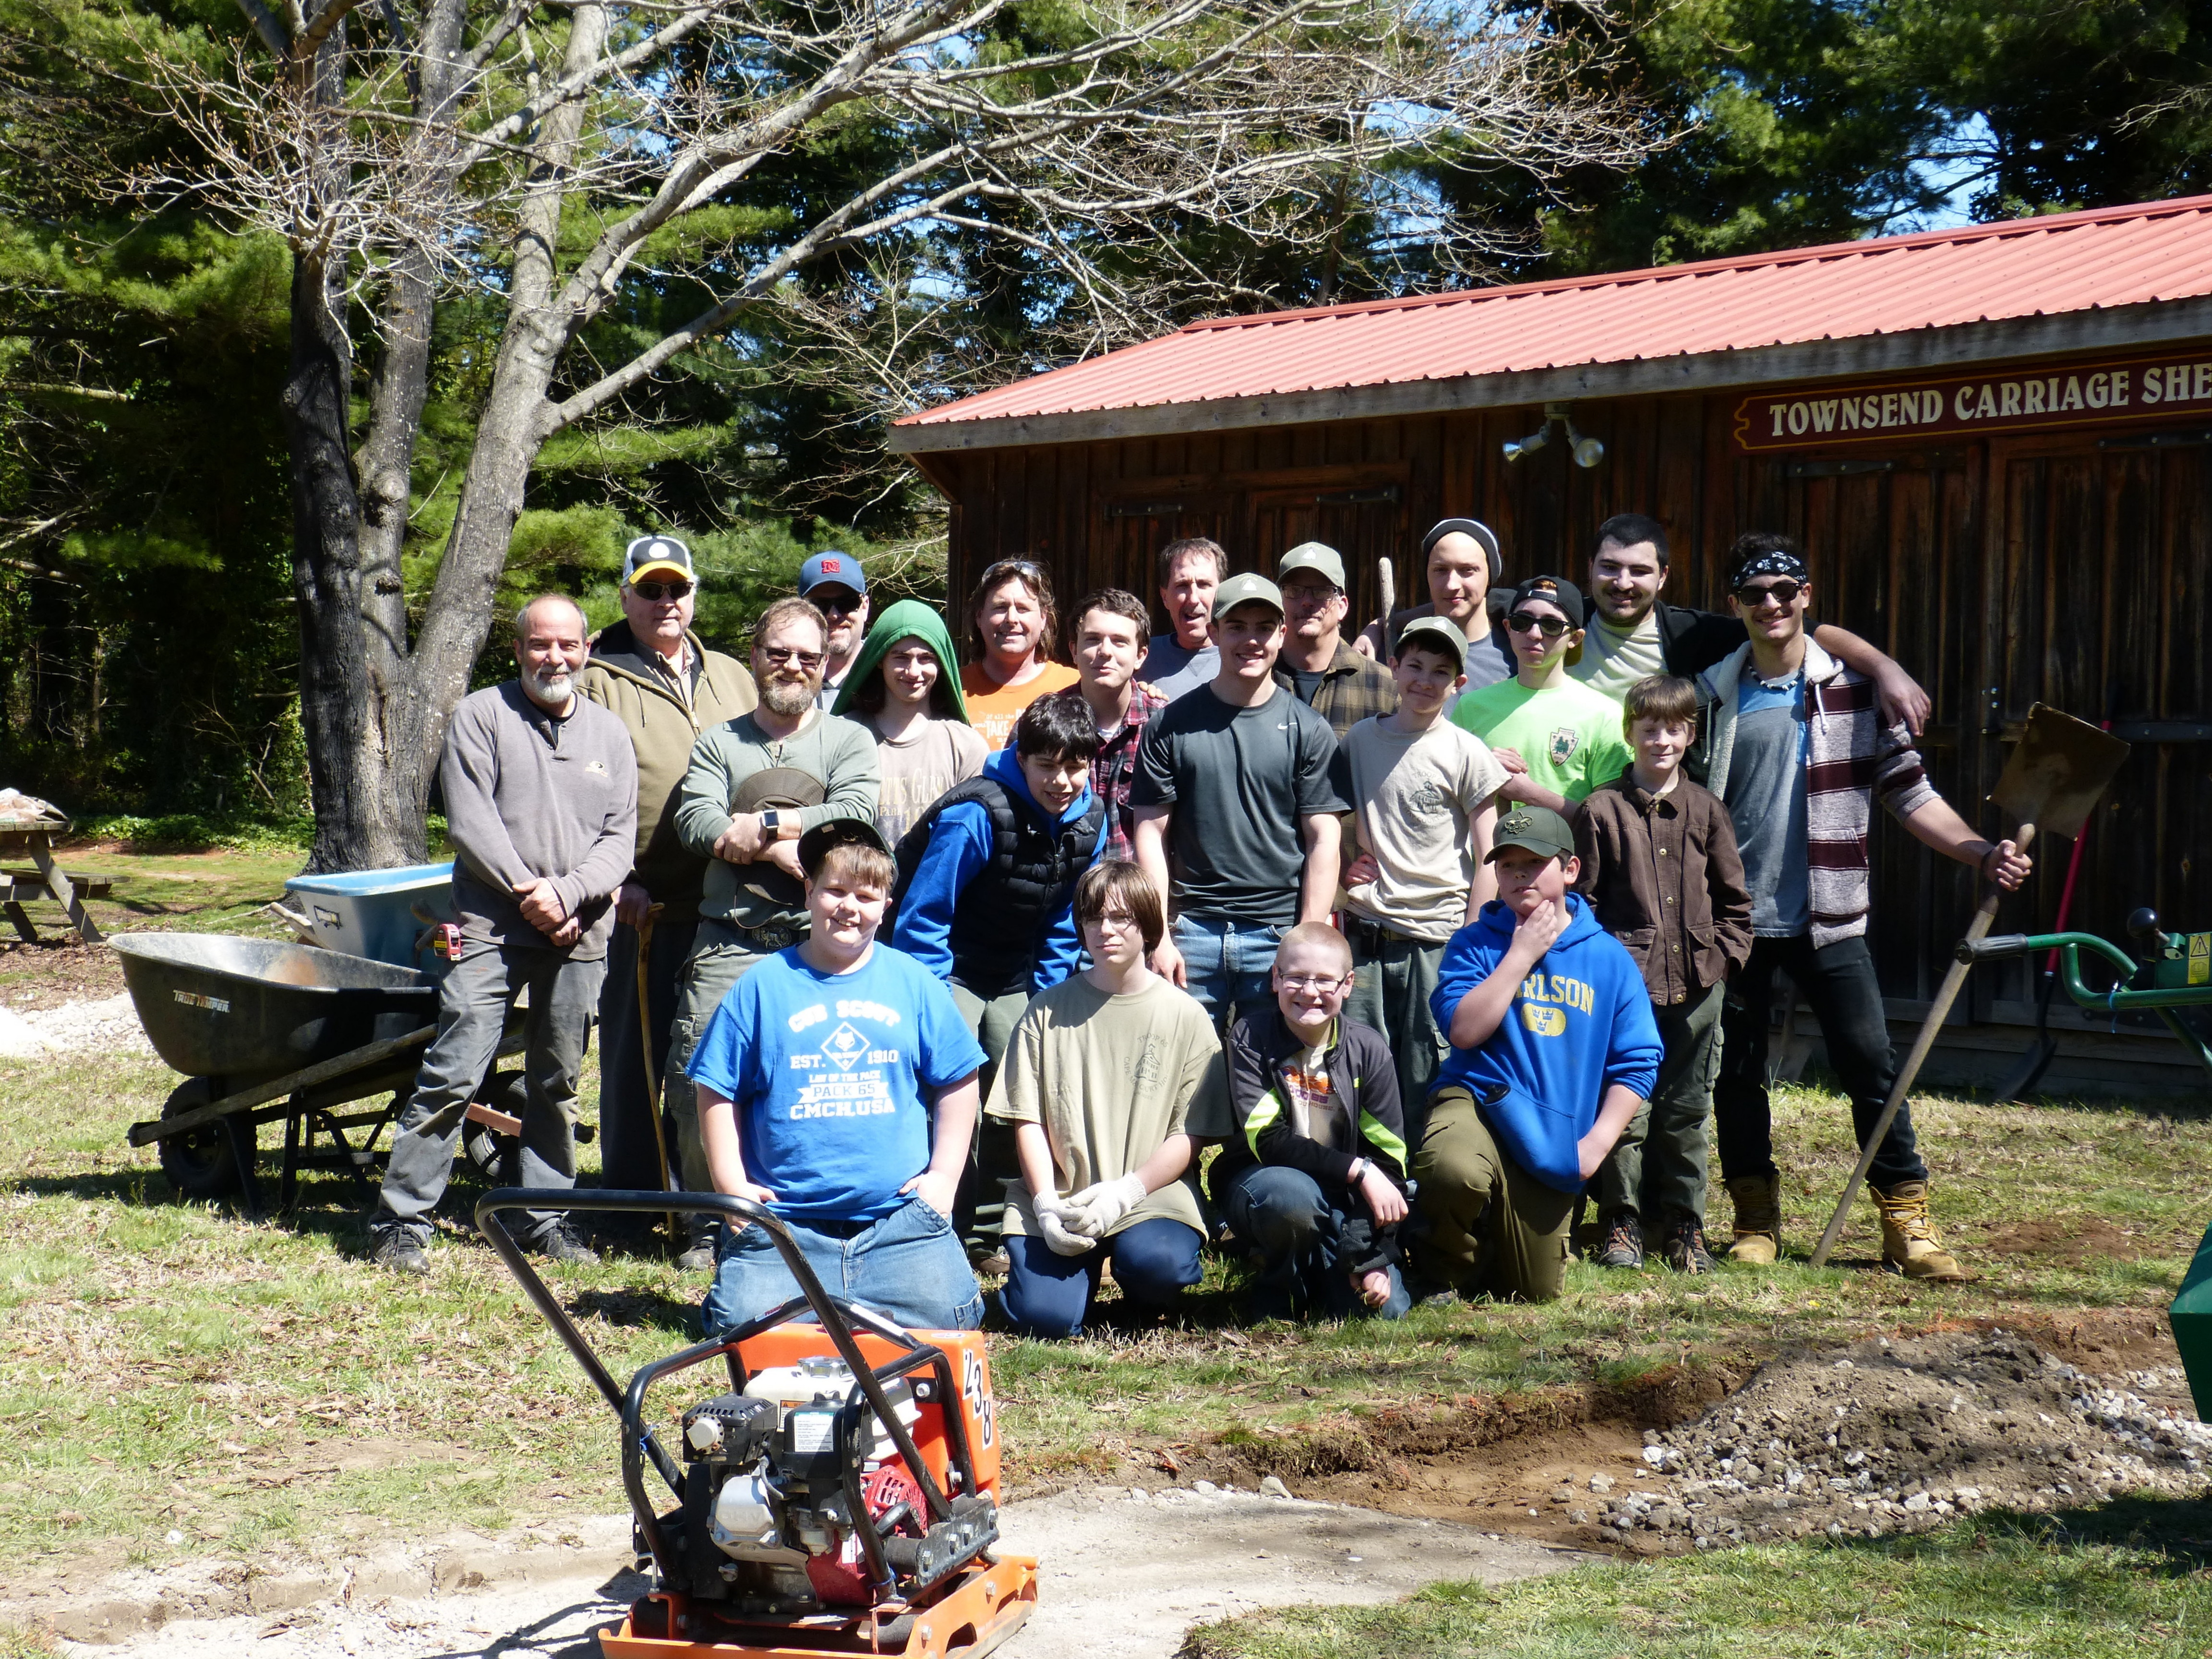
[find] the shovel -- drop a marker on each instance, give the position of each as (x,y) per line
(2051,783)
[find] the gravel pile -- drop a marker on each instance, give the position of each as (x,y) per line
(108,1026)
(1897,1437)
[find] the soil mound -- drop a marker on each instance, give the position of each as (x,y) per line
(1888,1437)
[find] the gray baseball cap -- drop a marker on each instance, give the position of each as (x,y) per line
(1313,555)
(1247,589)
(1438,634)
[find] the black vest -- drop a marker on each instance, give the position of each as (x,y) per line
(999,922)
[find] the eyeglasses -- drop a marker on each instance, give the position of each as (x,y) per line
(773,655)
(1524,621)
(838,607)
(1120,920)
(1783,592)
(654,592)
(1314,981)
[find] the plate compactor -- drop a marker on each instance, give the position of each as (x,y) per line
(841,1496)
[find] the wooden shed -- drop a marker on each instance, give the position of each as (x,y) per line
(1995,443)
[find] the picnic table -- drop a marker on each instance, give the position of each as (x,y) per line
(22,836)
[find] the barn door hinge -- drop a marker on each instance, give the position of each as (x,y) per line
(1359,497)
(1835,469)
(2157,440)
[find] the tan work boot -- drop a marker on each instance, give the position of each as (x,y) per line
(1909,1244)
(1758,1200)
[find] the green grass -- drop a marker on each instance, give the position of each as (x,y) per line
(2128,1580)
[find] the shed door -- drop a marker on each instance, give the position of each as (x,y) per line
(2098,604)
(1364,523)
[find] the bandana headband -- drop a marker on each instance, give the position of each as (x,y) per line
(1778,562)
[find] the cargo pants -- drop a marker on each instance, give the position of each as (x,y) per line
(1487,1224)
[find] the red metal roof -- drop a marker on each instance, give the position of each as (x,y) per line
(2021,268)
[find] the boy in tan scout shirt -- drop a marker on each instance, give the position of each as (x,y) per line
(1660,867)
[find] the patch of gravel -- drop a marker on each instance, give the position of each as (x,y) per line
(1884,1437)
(109,1025)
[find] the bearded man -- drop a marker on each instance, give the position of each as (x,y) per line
(757,784)
(541,804)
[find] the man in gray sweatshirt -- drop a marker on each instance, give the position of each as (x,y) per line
(541,803)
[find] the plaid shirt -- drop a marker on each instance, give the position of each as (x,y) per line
(1352,688)
(1114,766)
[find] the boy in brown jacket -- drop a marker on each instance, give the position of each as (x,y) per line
(1661,869)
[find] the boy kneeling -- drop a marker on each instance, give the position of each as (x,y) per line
(1106,1078)
(811,1076)
(1315,1179)
(1554,1049)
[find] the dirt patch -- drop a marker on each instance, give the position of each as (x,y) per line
(55,971)
(1891,1436)
(2073,1240)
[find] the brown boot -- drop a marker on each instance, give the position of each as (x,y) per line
(1909,1244)
(1758,1200)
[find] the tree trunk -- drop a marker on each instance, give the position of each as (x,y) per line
(356,750)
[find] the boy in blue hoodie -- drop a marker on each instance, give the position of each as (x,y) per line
(986,900)
(1553,1050)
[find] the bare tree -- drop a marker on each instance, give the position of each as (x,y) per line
(543,149)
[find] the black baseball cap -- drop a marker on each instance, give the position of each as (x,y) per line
(814,846)
(1559,590)
(1539,828)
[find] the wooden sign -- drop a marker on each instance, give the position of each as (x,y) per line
(2172,386)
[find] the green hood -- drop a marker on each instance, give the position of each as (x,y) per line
(907,617)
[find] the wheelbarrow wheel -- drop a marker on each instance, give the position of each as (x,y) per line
(198,1163)
(492,1155)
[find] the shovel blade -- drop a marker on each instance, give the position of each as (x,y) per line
(2057,771)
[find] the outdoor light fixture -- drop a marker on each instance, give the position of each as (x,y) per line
(1587,452)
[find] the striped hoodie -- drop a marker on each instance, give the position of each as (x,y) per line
(1853,760)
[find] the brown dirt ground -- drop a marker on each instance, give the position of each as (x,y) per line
(1487,1463)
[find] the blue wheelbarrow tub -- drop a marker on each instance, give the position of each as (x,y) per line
(242,1011)
(371,913)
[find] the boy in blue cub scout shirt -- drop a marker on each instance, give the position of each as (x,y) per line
(1553,1050)
(810,1080)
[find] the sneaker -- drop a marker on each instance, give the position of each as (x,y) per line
(398,1251)
(1624,1243)
(699,1259)
(1686,1251)
(559,1242)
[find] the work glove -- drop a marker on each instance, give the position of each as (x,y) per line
(1095,1210)
(1052,1226)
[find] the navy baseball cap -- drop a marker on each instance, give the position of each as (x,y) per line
(831,569)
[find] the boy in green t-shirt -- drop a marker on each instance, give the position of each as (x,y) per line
(1557,739)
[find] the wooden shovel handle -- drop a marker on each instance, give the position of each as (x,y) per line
(1938,1012)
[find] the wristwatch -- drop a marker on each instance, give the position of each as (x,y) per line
(769,822)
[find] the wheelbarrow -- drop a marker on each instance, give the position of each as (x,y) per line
(2173,976)
(266,1032)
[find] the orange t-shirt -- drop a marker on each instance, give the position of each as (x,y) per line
(992,708)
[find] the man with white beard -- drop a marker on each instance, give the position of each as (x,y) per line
(755,785)
(541,804)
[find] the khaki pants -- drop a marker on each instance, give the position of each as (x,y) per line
(1490,1225)
(720,956)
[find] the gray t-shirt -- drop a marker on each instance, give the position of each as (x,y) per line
(1766,802)
(1613,660)
(1171,670)
(1239,779)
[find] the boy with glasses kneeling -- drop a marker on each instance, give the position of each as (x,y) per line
(1315,1180)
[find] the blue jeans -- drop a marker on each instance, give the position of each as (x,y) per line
(908,1267)
(1049,1295)
(1284,1214)
(1228,962)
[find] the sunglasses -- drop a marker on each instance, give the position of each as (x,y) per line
(1525,621)
(771,654)
(838,607)
(654,592)
(1783,592)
